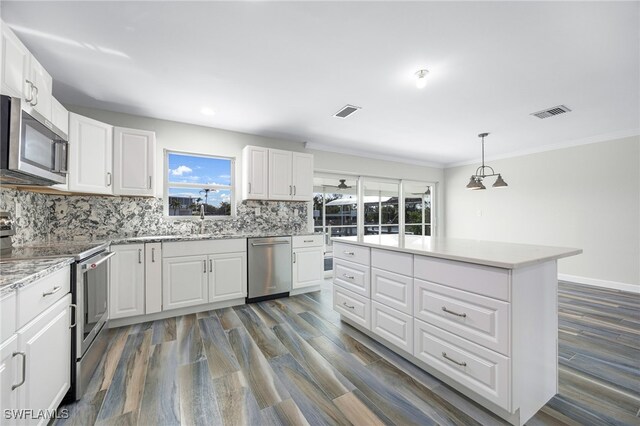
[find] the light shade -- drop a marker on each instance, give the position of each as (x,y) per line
(472,183)
(500,183)
(480,184)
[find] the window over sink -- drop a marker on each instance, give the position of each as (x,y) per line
(196,182)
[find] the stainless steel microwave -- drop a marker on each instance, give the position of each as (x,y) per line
(32,150)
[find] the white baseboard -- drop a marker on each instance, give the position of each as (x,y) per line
(632,288)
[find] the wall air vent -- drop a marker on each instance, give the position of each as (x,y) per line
(346,111)
(550,112)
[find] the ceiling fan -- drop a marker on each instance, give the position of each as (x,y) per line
(341,185)
(427,192)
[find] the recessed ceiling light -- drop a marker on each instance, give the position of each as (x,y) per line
(207,111)
(421,78)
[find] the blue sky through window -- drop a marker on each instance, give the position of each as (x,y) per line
(193,169)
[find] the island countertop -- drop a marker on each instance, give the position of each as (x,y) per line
(489,253)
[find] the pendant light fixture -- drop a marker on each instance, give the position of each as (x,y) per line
(475,182)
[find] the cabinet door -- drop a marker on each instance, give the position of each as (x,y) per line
(59,116)
(46,343)
(255,168)
(42,92)
(227,276)
(184,282)
(280,184)
(90,156)
(308,267)
(15,64)
(302,176)
(133,161)
(126,282)
(153,277)
(10,373)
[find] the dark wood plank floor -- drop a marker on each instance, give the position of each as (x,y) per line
(291,361)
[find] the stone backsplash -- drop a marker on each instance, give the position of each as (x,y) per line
(52,217)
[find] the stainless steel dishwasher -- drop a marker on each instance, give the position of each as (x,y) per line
(269,262)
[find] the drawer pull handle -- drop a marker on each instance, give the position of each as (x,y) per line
(350,277)
(75,315)
(350,307)
(49,293)
(308,241)
(349,253)
(463,315)
(461,364)
(24,369)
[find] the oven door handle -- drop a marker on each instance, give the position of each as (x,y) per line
(93,265)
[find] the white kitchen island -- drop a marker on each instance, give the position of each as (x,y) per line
(481,316)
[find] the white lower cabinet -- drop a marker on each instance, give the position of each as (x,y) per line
(392,325)
(10,365)
(153,278)
(227,276)
(45,346)
(126,282)
(308,267)
(184,281)
(392,289)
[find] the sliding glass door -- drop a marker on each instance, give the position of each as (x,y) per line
(389,206)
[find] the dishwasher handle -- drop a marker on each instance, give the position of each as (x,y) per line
(273,243)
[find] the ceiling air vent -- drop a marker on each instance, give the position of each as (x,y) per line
(550,112)
(346,111)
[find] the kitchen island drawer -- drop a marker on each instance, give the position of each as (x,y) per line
(352,276)
(38,296)
(479,369)
(477,318)
(392,289)
(393,326)
(352,253)
(393,261)
(480,279)
(352,306)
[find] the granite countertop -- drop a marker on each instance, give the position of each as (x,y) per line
(498,254)
(15,274)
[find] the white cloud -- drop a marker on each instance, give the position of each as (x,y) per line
(225,176)
(180,170)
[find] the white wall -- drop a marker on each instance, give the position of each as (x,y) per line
(171,135)
(586,196)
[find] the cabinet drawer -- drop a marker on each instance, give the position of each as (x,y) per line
(352,306)
(38,296)
(352,253)
(480,279)
(394,326)
(393,290)
(393,261)
(352,276)
(300,241)
(194,248)
(7,316)
(483,371)
(477,318)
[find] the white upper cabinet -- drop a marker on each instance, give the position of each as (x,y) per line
(41,85)
(90,156)
(274,174)
(255,177)
(302,176)
(133,161)
(59,116)
(280,184)
(15,64)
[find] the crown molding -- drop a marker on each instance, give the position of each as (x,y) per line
(553,146)
(365,154)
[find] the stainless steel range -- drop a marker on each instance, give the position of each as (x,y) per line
(89,284)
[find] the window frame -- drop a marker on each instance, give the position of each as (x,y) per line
(166,184)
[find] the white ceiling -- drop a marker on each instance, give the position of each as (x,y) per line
(281,69)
